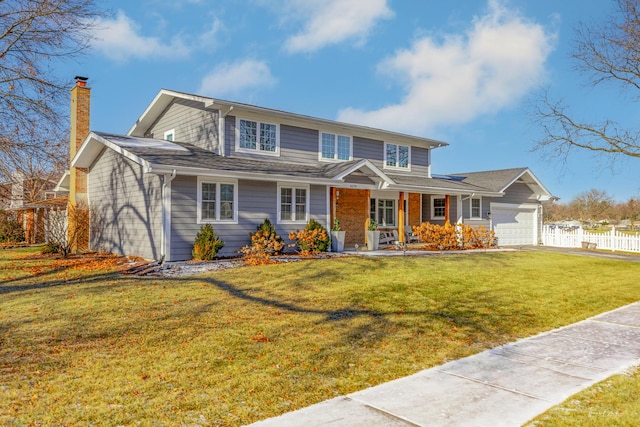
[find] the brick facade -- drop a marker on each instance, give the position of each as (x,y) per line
(351,207)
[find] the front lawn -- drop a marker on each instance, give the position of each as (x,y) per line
(80,344)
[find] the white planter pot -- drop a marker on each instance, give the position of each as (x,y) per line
(373,238)
(337,241)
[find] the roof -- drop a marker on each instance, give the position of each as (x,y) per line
(500,180)
(59,202)
(163,157)
(165,97)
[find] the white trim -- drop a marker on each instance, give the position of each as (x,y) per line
(172,133)
(471,199)
(257,150)
(443,217)
(294,187)
(335,158)
(217,220)
(396,168)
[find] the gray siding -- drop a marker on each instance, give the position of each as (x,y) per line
(301,145)
(426,210)
(256,201)
(125,206)
(192,123)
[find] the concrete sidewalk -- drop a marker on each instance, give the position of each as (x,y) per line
(505,386)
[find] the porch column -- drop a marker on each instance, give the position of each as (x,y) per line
(401,217)
(447,201)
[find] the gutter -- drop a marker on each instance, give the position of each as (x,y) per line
(165,235)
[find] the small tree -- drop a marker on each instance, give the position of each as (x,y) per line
(65,228)
(207,244)
(10,228)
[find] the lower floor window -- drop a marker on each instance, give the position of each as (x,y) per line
(217,201)
(383,211)
(438,207)
(293,204)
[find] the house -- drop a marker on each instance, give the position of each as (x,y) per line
(190,160)
(31,198)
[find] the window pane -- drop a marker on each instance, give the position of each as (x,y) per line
(475,208)
(208,207)
(226,201)
(403,156)
(344,147)
(208,210)
(301,204)
(391,154)
(248,133)
(386,212)
(285,204)
(267,137)
(328,145)
(438,207)
(372,209)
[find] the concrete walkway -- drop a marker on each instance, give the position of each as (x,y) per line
(504,386)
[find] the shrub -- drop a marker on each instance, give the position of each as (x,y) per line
(265,242)
(10,228)
(207,244)
(313,239)
(450,237)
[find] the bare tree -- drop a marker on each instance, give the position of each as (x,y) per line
(606,53)
(592,205)
(34,36)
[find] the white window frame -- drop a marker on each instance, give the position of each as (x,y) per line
(471,216)
(335,147)
(397,159)
(433,208)
(217,182)
(293,187)
(257,150)
(170,133)
(377,211)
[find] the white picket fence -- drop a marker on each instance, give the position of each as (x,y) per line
(578,238)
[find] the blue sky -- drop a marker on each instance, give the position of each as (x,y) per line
(462,71)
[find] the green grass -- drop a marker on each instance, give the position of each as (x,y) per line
(613,402)
(79,345)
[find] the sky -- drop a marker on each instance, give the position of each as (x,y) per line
(467,72)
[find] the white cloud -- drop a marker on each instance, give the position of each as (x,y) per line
(119,39)
(458,78)
(237,77)
(329,22)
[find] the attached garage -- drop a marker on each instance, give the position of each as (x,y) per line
(515,224)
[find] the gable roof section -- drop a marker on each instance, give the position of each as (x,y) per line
(501,180)
(165,97)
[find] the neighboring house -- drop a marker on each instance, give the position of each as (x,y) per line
(191,160)
(32,199)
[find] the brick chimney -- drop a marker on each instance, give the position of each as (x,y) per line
(78,212)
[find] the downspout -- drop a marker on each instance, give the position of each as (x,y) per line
(166,217)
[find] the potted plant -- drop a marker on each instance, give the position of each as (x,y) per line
(373,235)
(337,236)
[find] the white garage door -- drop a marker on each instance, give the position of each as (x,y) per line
(514,226)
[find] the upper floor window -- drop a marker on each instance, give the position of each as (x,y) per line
(476,207)
(255,136)
(293,204)
(170,135)
(217,200)
(397,156)
(335,147)
(438,207)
